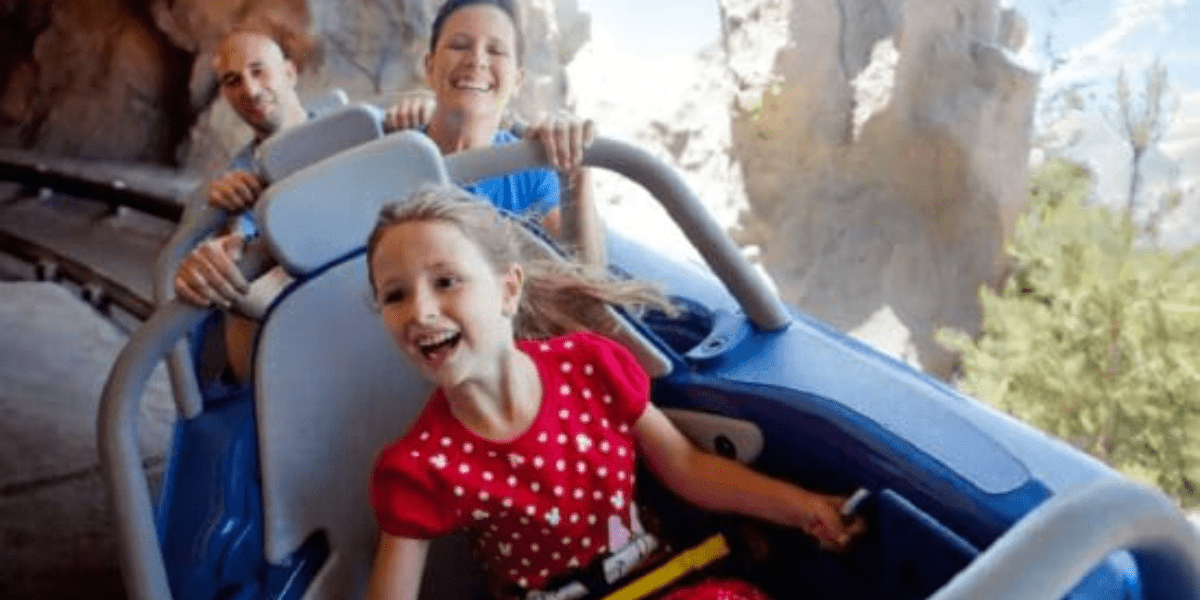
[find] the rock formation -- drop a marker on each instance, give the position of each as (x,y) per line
(103,79)
(866,196)
(876,148)
(89,80)
(876,153)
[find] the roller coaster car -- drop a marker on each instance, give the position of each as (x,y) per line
(265,495)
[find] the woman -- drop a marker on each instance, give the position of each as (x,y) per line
(474,68)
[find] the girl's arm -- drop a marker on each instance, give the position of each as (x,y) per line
(721,485)
(399,564)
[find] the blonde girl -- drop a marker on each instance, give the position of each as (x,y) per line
(529,443)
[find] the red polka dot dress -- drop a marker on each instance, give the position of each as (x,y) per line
(551,500)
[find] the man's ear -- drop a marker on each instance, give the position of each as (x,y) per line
(291,72)
(429,69)
(512,287)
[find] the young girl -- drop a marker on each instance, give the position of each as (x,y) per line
(530,444)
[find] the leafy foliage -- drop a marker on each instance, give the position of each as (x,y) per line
(1094,338)
(1142,123)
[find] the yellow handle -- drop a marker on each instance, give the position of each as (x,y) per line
(688,561)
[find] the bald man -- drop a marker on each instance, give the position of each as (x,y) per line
(259,82)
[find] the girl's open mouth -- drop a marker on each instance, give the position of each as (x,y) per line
(436,347)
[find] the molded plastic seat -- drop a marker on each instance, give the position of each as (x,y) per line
(330,386)
(331,390)
(330,132)
(335,126)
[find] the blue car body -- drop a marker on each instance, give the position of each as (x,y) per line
(949,476)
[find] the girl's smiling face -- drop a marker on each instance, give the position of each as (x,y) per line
(443,301)
(474,66)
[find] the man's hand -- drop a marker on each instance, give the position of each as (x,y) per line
(411,112)
(235,191)
(564,140)
(210,275)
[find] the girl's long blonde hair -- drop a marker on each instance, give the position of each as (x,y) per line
(558,296)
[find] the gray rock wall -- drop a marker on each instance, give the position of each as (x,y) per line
(88,79)
(99,79)
(904,216)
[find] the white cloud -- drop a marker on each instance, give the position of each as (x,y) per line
(1129,17)
(1123,44)
(608,74)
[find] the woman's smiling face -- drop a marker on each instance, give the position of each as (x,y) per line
(474,67)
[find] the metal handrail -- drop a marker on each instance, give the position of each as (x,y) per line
(120,457)
(199,222)
(764,309)
(1056,545)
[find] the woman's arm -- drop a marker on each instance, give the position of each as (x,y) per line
(721,485)
(564,142)
(588,226)
(399,564)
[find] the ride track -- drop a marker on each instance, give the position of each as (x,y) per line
(52,243)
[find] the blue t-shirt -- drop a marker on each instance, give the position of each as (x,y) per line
(532,192)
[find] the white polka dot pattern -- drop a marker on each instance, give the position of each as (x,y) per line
(547,496)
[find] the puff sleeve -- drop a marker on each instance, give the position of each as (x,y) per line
(628,382)
(407,500)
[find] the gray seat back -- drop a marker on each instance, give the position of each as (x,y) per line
(327,209)
(326,134)
(335,128)
(330,386)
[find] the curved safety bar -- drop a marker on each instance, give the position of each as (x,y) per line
(195,226)
(142,565)
(198,222)
(762,306)
(1050,551)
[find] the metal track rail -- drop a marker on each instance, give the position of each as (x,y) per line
(97,289)
(152,190)
(147,189)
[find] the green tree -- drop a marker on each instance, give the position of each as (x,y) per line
(1142,122)
(1095,338)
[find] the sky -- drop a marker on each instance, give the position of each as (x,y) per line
(631,50)
(638,24)
(1095,36)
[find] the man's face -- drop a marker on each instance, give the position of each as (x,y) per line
(256,80)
